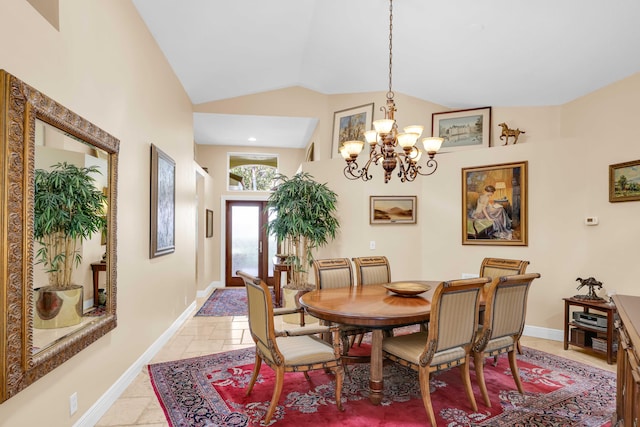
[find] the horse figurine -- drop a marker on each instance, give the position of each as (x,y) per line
(506,133)
(591,283)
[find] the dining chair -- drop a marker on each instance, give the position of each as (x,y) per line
(497,267)
(298,350)
(504,316)
(447,343)
(494,268)
(331,273)
(372,270)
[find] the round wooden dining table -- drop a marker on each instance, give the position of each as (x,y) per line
(376,308)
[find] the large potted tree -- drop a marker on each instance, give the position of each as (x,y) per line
(304,219)
(68,209)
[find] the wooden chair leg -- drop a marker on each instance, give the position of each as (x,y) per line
(478,362)
(514,370)
(423,377)
(466,380)
(256,370)
(276,395)
(338,373)
(519,347)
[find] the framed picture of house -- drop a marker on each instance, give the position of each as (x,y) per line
(624,181)
(163,187)
(392,209)
(209,223)
(350,125)
(462,129)
(494,205)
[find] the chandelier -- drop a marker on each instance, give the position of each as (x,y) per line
(384,140)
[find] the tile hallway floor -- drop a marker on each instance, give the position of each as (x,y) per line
(138,405)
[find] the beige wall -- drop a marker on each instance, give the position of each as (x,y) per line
(104,65)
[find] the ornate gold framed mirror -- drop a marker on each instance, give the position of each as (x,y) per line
(35,134)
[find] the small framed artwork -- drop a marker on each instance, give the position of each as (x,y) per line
(392,209)
(624,181)
(163,219)
(462,129)
(494,205)
(209,221)
(350,125)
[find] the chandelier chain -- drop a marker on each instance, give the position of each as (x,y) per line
(390,93)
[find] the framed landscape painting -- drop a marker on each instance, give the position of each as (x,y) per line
(392,209)
(624,181)
(350,125)
(462,129)
(494,205)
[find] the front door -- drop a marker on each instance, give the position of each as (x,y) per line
(248,247)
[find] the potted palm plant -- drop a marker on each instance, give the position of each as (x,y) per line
(68,209)
(304,220)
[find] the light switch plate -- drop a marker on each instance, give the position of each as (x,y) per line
(591,220)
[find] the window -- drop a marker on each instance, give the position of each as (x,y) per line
(252,172)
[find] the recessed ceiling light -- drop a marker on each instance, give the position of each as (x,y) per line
(252,139)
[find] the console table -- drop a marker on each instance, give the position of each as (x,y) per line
(96,268)
(278,269)
(584,329)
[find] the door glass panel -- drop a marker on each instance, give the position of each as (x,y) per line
(273,244)
(246,238)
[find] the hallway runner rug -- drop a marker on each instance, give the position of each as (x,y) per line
(226,302)
(209,391)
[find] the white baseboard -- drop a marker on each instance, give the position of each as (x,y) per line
(102,405)
(545,333)
(207,291)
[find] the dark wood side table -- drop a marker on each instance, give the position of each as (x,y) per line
(587,306)
(96,268)
(278,269)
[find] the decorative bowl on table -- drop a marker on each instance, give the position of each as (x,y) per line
(407,289)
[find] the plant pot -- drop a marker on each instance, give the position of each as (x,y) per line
(291,300)
(57,308)
(102,296)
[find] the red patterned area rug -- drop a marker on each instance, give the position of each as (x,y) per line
(226,302)
(210,391)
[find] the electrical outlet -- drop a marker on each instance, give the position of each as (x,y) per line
(73,403)
(469,275)
(372,244)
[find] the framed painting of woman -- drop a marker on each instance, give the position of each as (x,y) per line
(494,205)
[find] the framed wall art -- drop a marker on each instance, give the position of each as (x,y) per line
(624,181)
(349,125)
(462,129)
(163,184)
(392,209)
(494,205)
(209,223)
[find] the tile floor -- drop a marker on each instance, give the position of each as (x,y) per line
(138,405)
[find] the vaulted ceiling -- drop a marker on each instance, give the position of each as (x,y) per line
(457,53)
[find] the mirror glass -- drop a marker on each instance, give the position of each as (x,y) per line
(53,149)
(50,312)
